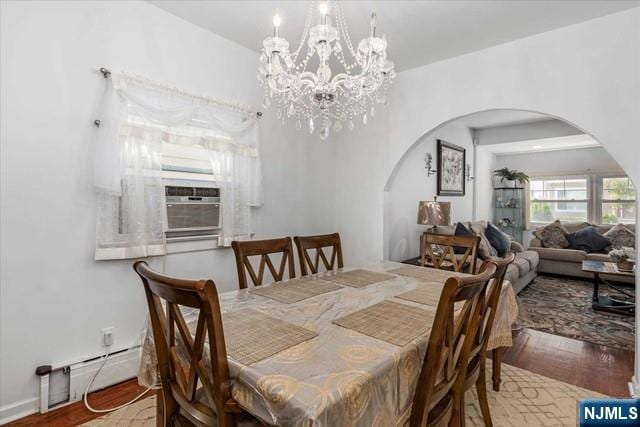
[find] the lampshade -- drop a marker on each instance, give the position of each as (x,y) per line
(434,213)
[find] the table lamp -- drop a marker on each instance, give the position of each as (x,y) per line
(434,213)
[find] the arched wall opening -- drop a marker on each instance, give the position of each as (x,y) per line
(408,183)
(401,238)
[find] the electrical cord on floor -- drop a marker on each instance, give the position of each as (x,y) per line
(102,411)
(104,362)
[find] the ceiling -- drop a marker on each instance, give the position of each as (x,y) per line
(547,144)
(493,118)
(419,32)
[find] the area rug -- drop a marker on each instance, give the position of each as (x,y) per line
(563,307)
(525,399)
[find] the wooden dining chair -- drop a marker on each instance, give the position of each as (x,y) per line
(441,250)
(476,369)
(263,248)
(438,396)
(181,356)
(307,243)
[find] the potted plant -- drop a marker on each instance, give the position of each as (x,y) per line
(623,258)
(510,177)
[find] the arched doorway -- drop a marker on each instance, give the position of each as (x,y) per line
(503,117)
(400,234)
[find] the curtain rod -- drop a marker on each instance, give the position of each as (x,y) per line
(106,73)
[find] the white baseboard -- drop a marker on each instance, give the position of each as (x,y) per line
(17,410)
(120,367)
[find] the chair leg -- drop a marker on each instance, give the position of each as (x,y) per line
(455,414)
(481,389)
(497,367)
(462,421)
(160,408)
(166,409)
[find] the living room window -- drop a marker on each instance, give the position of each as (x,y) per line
(617,200)
(563,198)
(598,199)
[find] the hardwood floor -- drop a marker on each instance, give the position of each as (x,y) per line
(76,413)
(594,367)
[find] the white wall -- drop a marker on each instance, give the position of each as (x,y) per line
(411,184)
(55,299)
(595,159)
(550,128)
(485,165)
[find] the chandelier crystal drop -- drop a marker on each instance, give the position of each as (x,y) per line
(324,96)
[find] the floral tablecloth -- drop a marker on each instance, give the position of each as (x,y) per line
(340,377)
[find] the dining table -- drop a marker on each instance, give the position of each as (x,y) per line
(345,373)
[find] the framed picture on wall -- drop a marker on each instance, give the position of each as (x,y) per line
(451,161)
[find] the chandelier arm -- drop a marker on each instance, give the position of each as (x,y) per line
(339,79)
(306,79)
(308,75)
(364,71)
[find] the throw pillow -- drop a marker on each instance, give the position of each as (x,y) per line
(461,230)
(588,239)
(478,227)
(485,250)
(499,240)
(621,236)
(572,227)
(553,235)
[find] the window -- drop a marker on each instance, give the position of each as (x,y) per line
(595,198)
(156,133)
(565,199)
(617,201)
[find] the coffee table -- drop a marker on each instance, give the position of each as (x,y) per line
(605,302)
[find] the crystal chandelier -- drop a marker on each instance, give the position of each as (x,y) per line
(325,99)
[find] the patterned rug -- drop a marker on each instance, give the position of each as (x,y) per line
(525,399)
(562,306)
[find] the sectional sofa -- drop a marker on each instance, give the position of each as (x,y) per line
(568,262)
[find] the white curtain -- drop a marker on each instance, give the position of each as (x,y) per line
(137,116)
(130,225)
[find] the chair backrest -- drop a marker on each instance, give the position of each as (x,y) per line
(263,248)
(311,266)
(443,370)
(441,249)
(181,355)
(488,313)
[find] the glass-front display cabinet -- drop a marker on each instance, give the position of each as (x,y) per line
(508,211)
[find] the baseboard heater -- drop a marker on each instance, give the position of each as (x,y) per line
(64,384)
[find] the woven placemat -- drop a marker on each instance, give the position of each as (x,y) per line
(395,323)
(295,290)
(426,295)
(426,273)
(358,278)
(252,336)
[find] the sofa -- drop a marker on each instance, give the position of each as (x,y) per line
(568,262)
(524,268)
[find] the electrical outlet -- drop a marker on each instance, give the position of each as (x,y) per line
(107,336)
